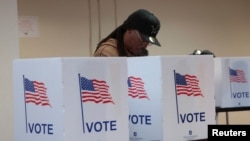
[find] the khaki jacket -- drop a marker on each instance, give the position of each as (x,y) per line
(108,49)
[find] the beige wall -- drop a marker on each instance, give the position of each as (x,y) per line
(63,28)
(73,28)
(8,52)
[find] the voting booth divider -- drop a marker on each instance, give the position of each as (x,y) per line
(174,95)
(113,98)
(65,99)
(232,75)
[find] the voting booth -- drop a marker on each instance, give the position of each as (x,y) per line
(232,82)
(70,99)
(171,98)
(156,98)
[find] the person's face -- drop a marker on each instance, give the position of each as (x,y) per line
(135,44)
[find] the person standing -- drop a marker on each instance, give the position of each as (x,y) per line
(132,37)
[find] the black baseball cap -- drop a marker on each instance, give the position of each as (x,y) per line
(146,23)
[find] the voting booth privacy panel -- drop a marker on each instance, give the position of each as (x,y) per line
(65,99)
(171,98)
(157,98)
(232,75)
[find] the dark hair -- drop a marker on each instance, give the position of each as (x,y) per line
(142,20)
(117,34)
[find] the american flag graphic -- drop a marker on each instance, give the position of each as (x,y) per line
(187,85)
(96,91)
(237,76)
(35,92)
(136,88)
